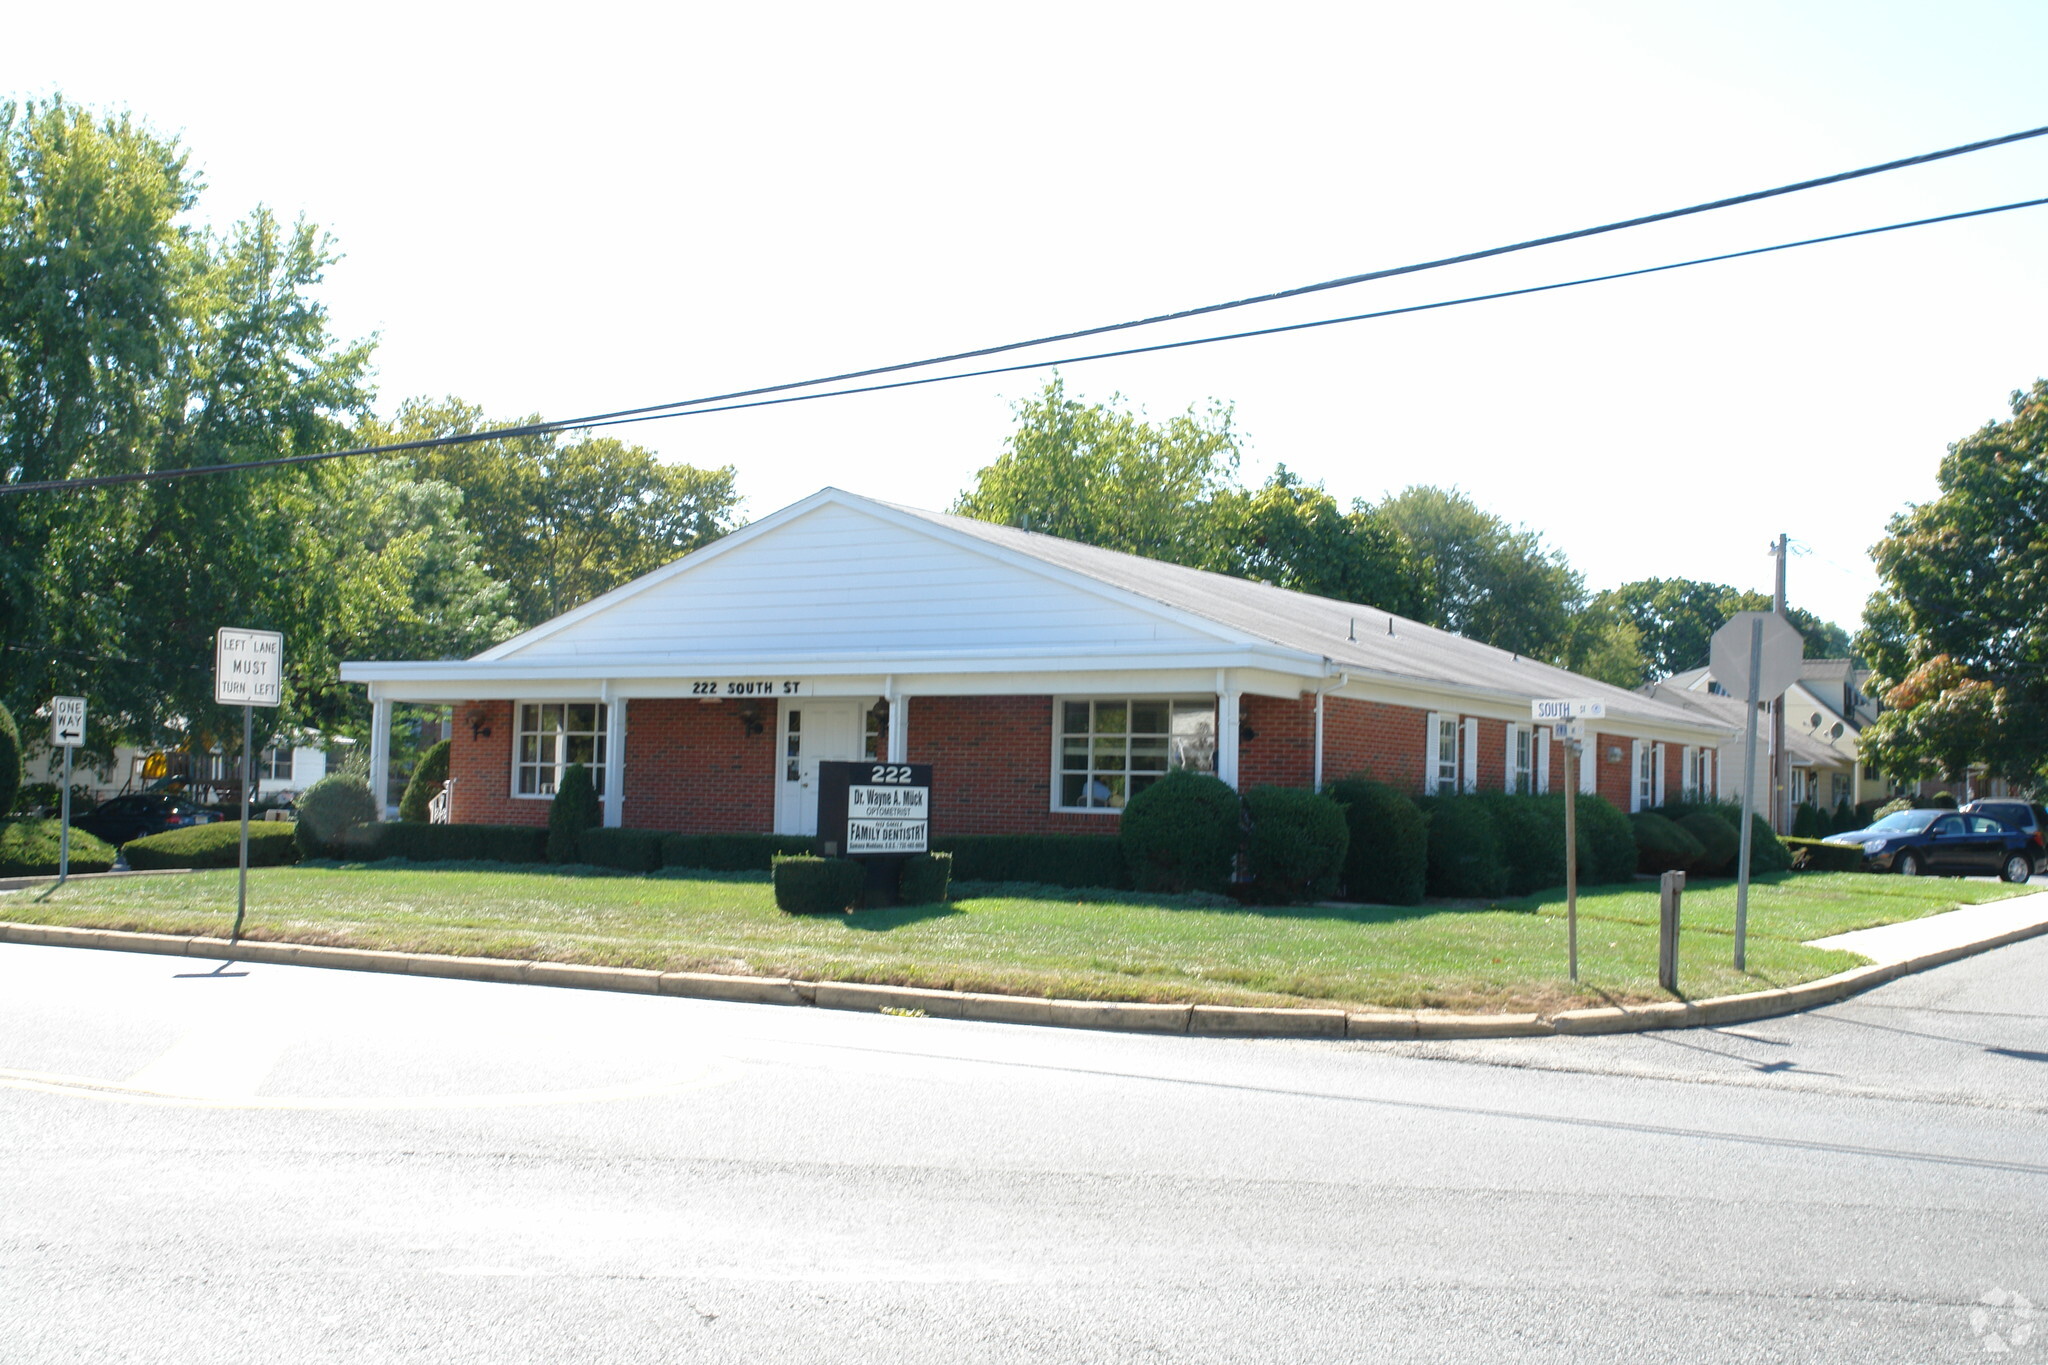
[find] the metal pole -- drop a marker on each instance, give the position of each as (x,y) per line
(248,780)
(1781,796)
(64,832)
(1756,667)
(1571,856)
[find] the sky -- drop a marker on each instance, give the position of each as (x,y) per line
(563,210)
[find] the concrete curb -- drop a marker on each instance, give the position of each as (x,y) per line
(1213,1021)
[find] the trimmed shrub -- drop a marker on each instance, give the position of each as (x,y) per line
(446,843)
(805,885)
(28,848)
(10,762)
(1296,845)
(1891,807)
(1050,859)
(1805,822)
(732,852)
(271,844)
(328,810)
(1720,842)
(427,776)
(1182,833)
(1766,852)
(925,879)
(631,850)
(1464,848)
(1610,841)
(573,811)
(1386,861)
(1530,830)
(1811,855)
(1844,818)
(1942,801)
(1661,846)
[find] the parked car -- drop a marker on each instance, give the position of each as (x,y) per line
(130,817)
(1915,843)
(2021,815)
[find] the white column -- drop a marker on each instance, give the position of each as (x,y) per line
(380,752)
(614,760)
(899,729)
(1226,734)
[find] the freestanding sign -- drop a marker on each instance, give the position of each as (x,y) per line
(1568,717)
(67,732)
(1759,650)
(248,671)
(872,809)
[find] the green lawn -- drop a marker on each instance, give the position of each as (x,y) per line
(1035,940)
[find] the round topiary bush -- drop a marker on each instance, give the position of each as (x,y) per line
(1182,834)
(1465,858)
(10,761)
(1296,845)
(1531,832)
(1942,801)
(1661,846)
(1766,853)
(329,809)
(1719,842)
(573,810)
(1387,861)
(1608,837)
(29,848)
(427,776)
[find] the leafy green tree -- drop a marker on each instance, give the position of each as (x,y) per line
(1294,535)
(1958,633)
(1105,476)
(1488,581)
(561,521)
(1676,619)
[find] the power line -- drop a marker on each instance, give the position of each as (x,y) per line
(631,416)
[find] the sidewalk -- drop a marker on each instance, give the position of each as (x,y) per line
(1913,938)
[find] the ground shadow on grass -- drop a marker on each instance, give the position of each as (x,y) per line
(881,919)
(591,870)
(1201,901)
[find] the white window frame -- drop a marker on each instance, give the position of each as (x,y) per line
(1520,771)
(1441,772)
(1171,701)
(1640,778)
(599,770)
(266,764)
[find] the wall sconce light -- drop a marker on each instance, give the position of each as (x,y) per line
(1614,753)
(750,718)
(1245,733)
(479,723)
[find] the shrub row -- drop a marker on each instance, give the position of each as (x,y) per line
(1091,860)
(809,885)
(271,844)
(28,848)
(445,843)
(1715,826)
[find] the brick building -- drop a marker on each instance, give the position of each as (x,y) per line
(1045,682)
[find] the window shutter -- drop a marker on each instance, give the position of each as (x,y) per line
(1662,752)
(1470,772)
(1432,753)
(1635,775)
(1710,773)
(1542,759)
(1589,765)
(1507,767)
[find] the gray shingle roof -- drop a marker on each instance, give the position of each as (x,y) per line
(1360,638)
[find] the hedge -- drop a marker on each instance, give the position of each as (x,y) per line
(925,879)
(1182,833)
(1663,846)
(1296,845)
(447,843)
(10,762)
(1610,841)
(1465,857)
(805,885)
(631,850)
(732,852)
(428,775)
(271,844)
(28,848)
(1386,861)
(1720,844)
(1531,834)
(1812,855)
(1079,860)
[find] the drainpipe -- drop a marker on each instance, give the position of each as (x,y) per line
(1342,680)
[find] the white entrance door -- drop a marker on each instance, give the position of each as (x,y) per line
(812,731)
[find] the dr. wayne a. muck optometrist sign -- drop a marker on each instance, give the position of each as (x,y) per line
(873,808)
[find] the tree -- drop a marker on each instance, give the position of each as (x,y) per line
(562,521)
(1105,476)
(1487,580)
(1676,619)
(1293,535)
(1958,633)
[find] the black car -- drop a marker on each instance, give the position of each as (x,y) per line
(130,817)
(1947,842)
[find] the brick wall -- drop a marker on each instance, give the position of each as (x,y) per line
(692,767)
(480,762)
(1615,778)
(1382,742)
(992,761)
(1282,750)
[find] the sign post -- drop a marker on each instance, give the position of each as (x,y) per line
(1567,719)
(67,732)
(1764,648)
(248,668)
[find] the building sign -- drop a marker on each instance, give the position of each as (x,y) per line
(248,667)
(869,808)
(749,687)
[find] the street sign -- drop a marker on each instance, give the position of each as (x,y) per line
(1782,648)
(1568,709)
(248,667)
(67,722)
(1568,731)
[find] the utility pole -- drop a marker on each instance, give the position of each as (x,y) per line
(1781,809)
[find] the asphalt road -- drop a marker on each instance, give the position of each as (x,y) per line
(277,1164)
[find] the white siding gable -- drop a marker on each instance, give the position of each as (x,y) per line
(839,580)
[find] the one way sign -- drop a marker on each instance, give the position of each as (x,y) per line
(67,722)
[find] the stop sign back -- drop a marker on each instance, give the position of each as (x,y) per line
(1782,647)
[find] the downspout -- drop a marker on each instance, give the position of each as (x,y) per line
(1343,679)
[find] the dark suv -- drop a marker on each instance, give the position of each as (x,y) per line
(2021,815)
(130,817)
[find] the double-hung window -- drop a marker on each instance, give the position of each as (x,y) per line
(1646,775)
(275,764)
(550,736)
(1521,759)
(1110,750)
